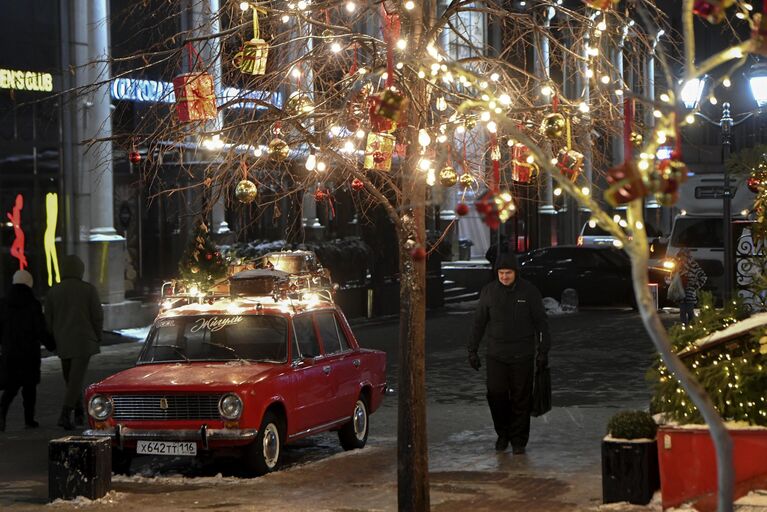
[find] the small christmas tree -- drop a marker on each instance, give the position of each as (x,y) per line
(202,263)
(730,368)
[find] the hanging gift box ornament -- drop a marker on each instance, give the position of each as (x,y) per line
(671,173)
(278,149)
(570,163)
(625,184)
(448,177)
(601,5)
(251,59)
(466,180)
(495,208)
(711,10)
(357,185)
(523,166)
(553,125)
(195,95)
(246,191)
(378,151)
(390,104)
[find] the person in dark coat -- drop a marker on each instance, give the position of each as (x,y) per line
(511,318)
(23,331)
(74,315)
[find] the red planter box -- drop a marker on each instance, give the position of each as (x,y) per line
(688,465)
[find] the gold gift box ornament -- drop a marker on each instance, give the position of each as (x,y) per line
(251,59)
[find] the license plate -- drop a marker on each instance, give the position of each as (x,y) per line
(166,448)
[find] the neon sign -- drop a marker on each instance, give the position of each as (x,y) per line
(154,91)
(26,80)
(49,238)
(17,247)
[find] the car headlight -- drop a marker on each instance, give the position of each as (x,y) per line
(100,407)
(230,406)
(669,264)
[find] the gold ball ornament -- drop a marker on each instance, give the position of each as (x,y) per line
(194,269)
(636,139)
(327,33)
(448,177)
(278,149)
(466,180)
(299,103)
(553,125)
(246,191)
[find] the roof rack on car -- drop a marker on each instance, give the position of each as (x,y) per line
(283,276)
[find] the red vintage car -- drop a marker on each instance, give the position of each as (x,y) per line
(249,373)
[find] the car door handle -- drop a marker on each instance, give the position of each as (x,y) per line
(356,363)
(326,370)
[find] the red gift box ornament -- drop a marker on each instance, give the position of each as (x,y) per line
(378,151)
(711,10)
(625,184)
(671,173)
(523,167)
(570,163)
(195,95)
(495,207)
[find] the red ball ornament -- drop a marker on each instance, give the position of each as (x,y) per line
(208,256)
(753,184)
(418,254)
(357,185)
(320,195)
(378,157)
(134,157)
(462,209)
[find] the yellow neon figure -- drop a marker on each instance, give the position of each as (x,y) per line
(49,239)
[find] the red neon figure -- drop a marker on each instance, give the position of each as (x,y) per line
(17,248)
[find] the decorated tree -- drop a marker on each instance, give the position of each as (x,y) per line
(401,102)
(202,264)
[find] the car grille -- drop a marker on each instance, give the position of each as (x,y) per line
(166,407)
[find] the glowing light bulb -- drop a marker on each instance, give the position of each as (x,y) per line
(295,73)
(584,107)
(285,18)
(244,6)
(351,7)
(484,116)
(495,77)
(311,162)
(505,99)
(335,47)
(713,100)
(424,164)
(301,5)
(605,79)
(421,74)
(557,191)
(321,166)
(335,130)
(410,5)
(585,191)
(360,134)
(726,82)
(492,127)
(689,119)
(423,137)
(348,147)
(460,129)
(546,90)
(602,26)
(589,73)
(665,97)
(401,44)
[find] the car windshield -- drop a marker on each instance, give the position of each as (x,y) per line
(696,232)
(217,338)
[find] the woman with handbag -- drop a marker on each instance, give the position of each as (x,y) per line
(691,278)
(23,331)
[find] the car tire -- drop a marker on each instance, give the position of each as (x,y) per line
(121,461)
(354,434)
(263,455)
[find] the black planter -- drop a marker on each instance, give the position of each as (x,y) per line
(79,466)
(629,471)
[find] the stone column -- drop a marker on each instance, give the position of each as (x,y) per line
(106,249)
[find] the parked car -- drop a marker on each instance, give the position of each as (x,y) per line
(249,373)
(600,275)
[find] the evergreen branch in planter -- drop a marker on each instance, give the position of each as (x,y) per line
(632,425)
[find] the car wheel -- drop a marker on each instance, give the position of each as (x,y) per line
(263,455)
(121,461)
(354,434)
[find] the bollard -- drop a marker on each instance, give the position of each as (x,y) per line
(79,466)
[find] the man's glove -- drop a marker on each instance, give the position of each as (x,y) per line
(542,360)
(474,361)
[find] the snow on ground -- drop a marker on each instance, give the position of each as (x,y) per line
(110,498)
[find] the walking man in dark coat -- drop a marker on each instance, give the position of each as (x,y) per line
(75,317)
(23,331)
(511,318)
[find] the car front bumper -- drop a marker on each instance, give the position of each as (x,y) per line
(203,435)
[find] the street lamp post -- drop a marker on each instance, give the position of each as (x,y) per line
(691,94)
